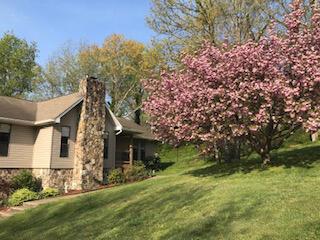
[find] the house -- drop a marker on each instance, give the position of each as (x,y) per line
(69,141)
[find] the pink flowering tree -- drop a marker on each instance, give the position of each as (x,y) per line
(258,92)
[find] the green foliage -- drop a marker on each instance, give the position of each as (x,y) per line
(116,176)
(17,65)
(136,172)
(25,179)
(49,192)
(5,189)
(299,137)
(22,195)
(178,159)
(152,162)
(212,201)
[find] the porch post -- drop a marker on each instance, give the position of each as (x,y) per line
(131,150)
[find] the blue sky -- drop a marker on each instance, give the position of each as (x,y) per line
(53,23)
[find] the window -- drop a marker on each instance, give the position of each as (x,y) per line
(65,135)
(135,149)
(4,139)
(142,150)
(105,150)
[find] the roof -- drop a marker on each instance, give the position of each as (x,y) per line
(19,111)
(141,132)
(35,113)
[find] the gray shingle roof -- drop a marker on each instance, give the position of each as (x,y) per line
(18,109)
(142,132)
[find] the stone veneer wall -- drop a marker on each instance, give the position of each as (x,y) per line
(57,178)
(88,160)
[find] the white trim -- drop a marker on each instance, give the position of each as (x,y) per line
(44,122)
(118,127)
(58,119)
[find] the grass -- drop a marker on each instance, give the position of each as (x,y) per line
(192,199)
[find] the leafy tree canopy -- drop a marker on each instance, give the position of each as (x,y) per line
(17,65)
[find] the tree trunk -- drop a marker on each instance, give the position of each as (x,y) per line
(314,136)
(266,158)
(230,151)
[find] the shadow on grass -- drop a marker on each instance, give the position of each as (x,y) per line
(165,165)
(102,215)
(297,157)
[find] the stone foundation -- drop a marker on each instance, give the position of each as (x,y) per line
(8,173)
(57,178)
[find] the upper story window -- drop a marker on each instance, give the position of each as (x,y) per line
(65,135)
(5,130)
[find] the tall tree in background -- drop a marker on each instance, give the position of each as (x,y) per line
(185,24)
(119,62)
(61,74)
(17,65)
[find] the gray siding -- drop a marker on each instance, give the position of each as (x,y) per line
(70,120)
(20,148)
(110,162)
(42,147)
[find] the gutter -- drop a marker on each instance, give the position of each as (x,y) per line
(27,123)
(17,121)
(118,127)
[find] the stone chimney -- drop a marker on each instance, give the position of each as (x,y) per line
(88,160)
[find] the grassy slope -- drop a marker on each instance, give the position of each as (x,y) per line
(192,199)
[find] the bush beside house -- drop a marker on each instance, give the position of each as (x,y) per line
(22,195)
(25,179)
(23,187)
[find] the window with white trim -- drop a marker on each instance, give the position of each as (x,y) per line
(5,130)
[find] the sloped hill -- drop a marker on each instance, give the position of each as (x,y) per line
(192,199)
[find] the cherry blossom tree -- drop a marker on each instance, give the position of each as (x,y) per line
(257,92)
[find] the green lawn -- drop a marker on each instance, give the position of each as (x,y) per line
(192,199)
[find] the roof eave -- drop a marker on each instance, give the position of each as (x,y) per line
(16,121)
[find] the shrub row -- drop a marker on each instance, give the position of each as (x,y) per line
(133,173)
(23,187)
(152,162)
(23,195)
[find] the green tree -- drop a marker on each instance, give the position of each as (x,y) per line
(17,65)
(185,24)
(62,72)
(121,63)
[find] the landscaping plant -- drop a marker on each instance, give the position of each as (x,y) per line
(49,192)
(25,179)
(152,162)
(22,195)
(116,176)
(136,172)
(258,92)
(5,189)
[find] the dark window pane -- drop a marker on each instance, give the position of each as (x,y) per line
(64,150)
(143,154)
(135,154)
(105,152)
(4,144)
